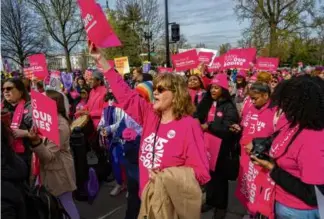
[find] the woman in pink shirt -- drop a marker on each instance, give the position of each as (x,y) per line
(297,153)
(171,137)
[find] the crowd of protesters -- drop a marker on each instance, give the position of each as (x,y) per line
(159,133)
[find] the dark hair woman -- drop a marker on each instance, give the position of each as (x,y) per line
(216,112)
(17,102)
(297,153)
(196,88)
(56,161)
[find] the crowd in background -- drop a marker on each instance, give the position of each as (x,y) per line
(159,131)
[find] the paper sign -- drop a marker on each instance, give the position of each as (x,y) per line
(186,60)
(67,80)
(164,70)
(213,145)
(28,73)
(87,75)
(205,57)
(38,65)
(217,64)
(45,116)
(267,63)
(122,65)
(146,67)
(96,25)
(239,58)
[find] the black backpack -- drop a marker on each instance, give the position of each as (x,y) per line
(40,204)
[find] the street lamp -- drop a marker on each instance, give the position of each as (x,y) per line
(148,37)
(167,46)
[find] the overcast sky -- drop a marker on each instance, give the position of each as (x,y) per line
(212,22)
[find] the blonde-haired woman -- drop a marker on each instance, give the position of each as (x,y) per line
(171,137)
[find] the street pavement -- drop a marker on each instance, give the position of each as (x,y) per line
(107,207)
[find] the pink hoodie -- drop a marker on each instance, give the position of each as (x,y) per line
(178,143)
(95,104)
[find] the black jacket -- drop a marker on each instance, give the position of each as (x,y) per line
(226,115)
(13,176)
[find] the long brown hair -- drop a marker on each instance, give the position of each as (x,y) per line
(59,99)
(182,104)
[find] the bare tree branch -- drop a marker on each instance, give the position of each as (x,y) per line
(21,32)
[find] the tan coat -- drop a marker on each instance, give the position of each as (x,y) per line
(56,163)
(174,194)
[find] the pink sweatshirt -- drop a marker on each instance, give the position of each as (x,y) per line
(95,104)
(304,159)
(178,143)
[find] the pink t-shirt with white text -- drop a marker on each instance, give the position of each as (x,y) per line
(178,143)
(305,160)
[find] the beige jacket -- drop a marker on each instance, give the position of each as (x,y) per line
(174,194)
(56,163)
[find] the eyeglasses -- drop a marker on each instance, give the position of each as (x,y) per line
(274,82)
(159,88)
(7,89)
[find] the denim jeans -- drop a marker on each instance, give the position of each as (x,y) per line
(284,212)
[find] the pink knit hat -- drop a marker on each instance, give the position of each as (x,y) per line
(220,80)
(242,74)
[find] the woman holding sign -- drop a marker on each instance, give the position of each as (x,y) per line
(17,102)
(171,137)
(56,161)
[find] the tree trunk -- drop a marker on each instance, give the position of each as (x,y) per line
(273,40)
(68,60)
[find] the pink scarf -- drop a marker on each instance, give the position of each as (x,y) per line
(15,124)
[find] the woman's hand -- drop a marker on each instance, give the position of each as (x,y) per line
(263,163)
(235,128)
(153,173)
(33,136)
(19,133)
(248,148)
(98,56)
(204,126)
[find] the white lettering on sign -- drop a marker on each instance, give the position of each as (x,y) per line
(43,120)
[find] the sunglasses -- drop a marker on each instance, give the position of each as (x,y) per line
(274,82)
(159,88)
(7,89)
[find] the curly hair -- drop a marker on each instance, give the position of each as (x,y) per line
(182,104)
(302,100)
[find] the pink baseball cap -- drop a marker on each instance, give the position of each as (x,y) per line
(242,74)
(220,80)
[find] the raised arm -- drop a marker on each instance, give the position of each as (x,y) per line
(127,99)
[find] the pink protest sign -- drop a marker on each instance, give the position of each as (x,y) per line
(110,62)
(164,70)
(205,57)
(212,144)
(267,63)
(216,64)
(96,25)
(239,58)
(38,65)
(45,116)
(186,60)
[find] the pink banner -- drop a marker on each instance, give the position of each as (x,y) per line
(45,116)
(212,144)
(164,70)
(205,57)
(239,58)
(38,65)
(185,61)
(96,25)
(267,63)
(217,64)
